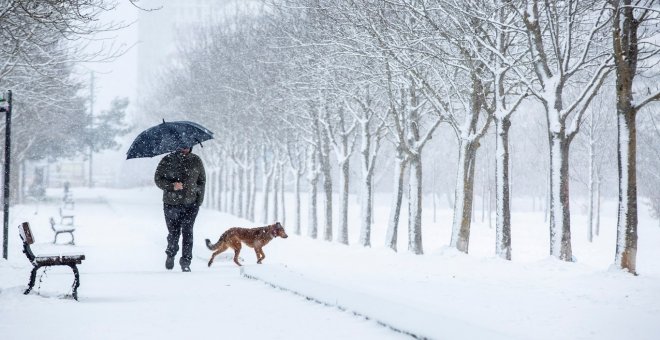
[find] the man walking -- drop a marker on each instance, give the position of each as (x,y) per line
(182,178)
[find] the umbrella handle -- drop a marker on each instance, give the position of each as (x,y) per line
(200,143)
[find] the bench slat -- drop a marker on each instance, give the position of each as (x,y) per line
(63,229)
(59,260)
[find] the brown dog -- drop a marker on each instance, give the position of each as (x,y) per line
(255,238)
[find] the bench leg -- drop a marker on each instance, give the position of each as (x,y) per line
(73,239)
(33,276)
(76,281)
(55,240)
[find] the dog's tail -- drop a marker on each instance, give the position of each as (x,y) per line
(213,246)
(210,245)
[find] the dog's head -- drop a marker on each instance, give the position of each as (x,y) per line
(278,230)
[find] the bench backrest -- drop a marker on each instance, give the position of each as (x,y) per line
(64,212)
(26,233)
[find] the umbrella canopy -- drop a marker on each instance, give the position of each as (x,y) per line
(167,137)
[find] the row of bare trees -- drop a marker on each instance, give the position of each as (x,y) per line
(308,86)
(42,43)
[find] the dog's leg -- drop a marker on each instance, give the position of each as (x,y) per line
(222,248)
(237,250)
(260,254)
(256,251)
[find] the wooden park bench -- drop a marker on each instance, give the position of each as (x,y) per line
(67,216)
(60,228)
(67,201)
(71,260)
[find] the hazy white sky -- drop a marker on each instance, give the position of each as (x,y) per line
(117,78)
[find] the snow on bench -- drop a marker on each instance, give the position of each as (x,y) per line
(71,260)
(60,228)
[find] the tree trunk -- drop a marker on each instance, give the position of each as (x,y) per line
(254,193)
(219,188)
(626,54)
(210,202)
(313,221)
(450,200)
(232,200)
(560,218)
(490,208)
(248,190)
(433,190)
(460,236)
(276,194)
(327,190)
(597,227)
(395,209)
(415,206)
(546,206)
(626,245)
(282,203)
(226,187)
(249,183)
(591,188)
(266,189)
(296,189)
(368,157)
(241,189)
(313,178)
(23,185)
(342,232)
(484,185)
(366,212)
(324,162)
(502,203)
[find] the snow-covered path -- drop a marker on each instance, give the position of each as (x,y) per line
(126,293)
(158,305)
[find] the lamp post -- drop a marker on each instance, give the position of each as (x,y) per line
(7,109)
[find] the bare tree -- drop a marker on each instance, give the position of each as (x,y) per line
(412,118)
(296,155)
(457,91)
(594,141)
(635,34)
(492,26)
(370,132)
(649,159)
(340,128)
(566,51)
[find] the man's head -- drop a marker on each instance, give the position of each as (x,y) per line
(185,150)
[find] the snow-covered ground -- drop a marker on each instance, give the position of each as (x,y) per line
(126,293)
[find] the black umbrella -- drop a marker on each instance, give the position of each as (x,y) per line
(167,137)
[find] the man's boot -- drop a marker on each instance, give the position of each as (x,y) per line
(169,263)
(185,265)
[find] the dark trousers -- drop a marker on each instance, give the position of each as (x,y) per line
(180,220)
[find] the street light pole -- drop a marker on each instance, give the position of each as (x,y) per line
(91,140)
(5,201)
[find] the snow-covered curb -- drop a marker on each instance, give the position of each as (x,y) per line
(408,320)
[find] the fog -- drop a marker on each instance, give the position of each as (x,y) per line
(329,101)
